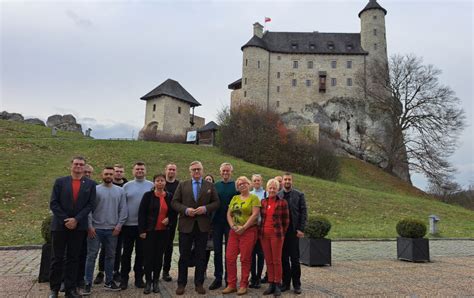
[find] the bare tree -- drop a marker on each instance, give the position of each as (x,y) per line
(423,117)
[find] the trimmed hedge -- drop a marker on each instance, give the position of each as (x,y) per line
(317,227)
(411,228)
(46,228)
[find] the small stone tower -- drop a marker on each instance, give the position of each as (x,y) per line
(372,32)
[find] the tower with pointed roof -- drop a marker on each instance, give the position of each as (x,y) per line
(372,31)
(170,110)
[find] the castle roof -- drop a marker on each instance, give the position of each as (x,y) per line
(372,5)
(210,126)
(308,43)
(173,89)
(236,85)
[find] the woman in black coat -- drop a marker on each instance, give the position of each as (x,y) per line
(153,228)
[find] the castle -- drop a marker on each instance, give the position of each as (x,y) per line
(313,79)
(285,71)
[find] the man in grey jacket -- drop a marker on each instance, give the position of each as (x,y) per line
(105,224)
(291,248)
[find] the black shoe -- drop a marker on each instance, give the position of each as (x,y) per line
(99,278)
(166,276)
(147,289)
(116,277)
(112,286)
(123,284)
(156,288)
(277,291)
(53,294)
(73,294)
(216,284)
(270,289)
(139,283)
(284,288)
(86,291)
(297,290)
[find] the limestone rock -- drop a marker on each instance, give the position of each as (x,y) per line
(64,123)
(11,116)
(34,121)
(54,120)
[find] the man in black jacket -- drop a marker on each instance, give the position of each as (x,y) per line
(291,249)
(71,202)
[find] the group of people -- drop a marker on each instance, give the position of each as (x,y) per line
(117,216)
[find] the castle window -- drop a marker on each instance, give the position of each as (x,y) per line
(349,64)
(330,45)
(308,83)
(374,17)
(278,75)
(375,32)
(375,46)
(312,46)
(278,88)
(293,82)
(278,57)
(258,64)
(179,110)
(289,109)
(333,64)
(322,83)
(246,62)
(349,82)
(333,82)
(310,64)
(154,107)
(295,64)
(294,46)
(245,81)
(245,93)
(349,47)
(278,103)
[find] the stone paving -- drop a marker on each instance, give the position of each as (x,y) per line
(360,268)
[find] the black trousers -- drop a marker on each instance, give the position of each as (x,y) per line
(186,241)
(291,254)
(154,246)
(130,239)
(169,247)
(66,249)
(118,255)
(257,262)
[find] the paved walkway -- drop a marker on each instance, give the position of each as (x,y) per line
(360,268)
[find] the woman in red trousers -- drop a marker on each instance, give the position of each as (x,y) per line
(275,221)
(242,217)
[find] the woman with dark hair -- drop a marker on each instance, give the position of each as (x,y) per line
(153,228)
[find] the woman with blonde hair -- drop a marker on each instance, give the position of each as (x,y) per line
(275,220)
(242,217)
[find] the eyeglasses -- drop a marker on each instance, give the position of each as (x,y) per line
(79,164)
(196,170)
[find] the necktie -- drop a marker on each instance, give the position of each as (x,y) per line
(198,189)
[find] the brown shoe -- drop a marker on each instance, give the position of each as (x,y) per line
(229,290)
(180,290)
(242,291)
(200,290)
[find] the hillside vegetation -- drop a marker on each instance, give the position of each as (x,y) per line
(365,202)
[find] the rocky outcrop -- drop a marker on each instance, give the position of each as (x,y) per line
(353,129)
(64,123)
(34,121)
(11,116)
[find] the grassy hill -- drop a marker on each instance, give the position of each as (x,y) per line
(364,203)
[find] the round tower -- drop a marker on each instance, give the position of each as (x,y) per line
(372,31)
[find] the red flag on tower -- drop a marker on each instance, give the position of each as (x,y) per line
(267,19)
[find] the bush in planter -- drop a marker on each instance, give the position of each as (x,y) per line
(46,250)
(411,228)
(411,246)
(315,250)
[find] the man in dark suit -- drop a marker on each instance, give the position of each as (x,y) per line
(194,200)
(71,202)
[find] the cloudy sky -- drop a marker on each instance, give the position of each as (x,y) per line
(95,59)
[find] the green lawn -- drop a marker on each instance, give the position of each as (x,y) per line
(365,202)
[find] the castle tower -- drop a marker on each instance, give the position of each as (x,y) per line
(372,32)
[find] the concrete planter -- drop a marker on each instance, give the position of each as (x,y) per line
(413,249)
(315,252)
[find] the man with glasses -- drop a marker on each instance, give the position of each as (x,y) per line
(194,200)
(71,201)
(220,227)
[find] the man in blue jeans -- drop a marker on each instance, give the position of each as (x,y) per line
(220,228)
(105,223)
